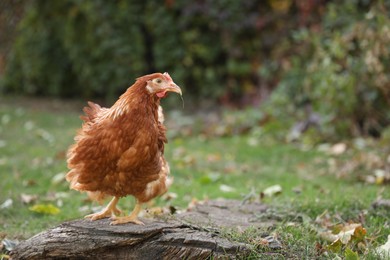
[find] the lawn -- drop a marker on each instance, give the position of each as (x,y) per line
(313,200)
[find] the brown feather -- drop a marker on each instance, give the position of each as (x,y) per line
(119,151)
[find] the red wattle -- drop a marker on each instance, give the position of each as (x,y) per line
(161,94)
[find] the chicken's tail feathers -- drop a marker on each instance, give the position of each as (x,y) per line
(91,111)
(72,178)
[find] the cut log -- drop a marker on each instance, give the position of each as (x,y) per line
(190,235)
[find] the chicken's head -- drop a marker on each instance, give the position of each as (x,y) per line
(161,84)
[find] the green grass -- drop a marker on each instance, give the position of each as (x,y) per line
(34,137)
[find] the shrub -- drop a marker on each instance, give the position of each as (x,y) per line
(96,48)
(340,69)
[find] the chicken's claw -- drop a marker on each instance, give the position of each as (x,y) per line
(106,213)
(127,219)
(109,211)
(99,215)
(132,218)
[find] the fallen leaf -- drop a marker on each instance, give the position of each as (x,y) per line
(59,203)
(381,203)
(253,141)
(384,250)
(338,149)
(269,241)
(370,179)
(328,236)
(272,190)
(29,125)
(380,176)
(263,242)
(353,229)
(210,178)
(27,198)
(359,234)
(53,196)
(351,234)
(28,183)
(226,188)
(345,236)
(273,242)
(58,178)
(6,204)
(9,245)
(48,209)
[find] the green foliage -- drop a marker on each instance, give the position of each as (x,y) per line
(96,48)
(71,48)
(340,69)
(329,54)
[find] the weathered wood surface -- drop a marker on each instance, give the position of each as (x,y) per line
(189,235)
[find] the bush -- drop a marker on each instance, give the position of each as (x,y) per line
(340,69)
(96,48)
(332,56)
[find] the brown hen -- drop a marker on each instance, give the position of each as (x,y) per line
(119,151)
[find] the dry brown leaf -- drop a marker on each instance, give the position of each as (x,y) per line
(344,233)
(268,241)
(28,198)
(338,149)
(347,232)
(328,236)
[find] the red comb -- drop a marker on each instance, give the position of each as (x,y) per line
(167,76)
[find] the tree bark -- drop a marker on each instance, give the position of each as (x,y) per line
(194,234)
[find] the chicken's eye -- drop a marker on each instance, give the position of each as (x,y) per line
(158,81)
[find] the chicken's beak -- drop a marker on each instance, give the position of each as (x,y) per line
(174,88)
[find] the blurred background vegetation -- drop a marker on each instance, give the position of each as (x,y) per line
(312,66)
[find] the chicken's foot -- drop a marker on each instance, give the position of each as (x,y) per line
(132,218)
(109,211)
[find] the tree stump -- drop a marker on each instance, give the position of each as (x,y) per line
(189,235)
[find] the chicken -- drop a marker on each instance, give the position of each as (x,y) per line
(119,151)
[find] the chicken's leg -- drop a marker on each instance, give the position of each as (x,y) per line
(133,217)
(108,211)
